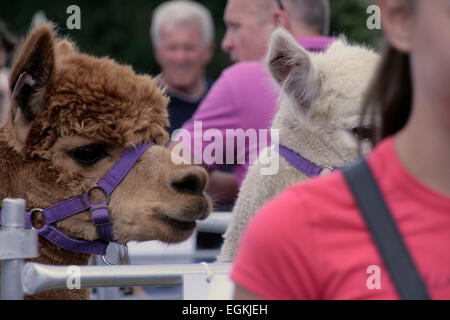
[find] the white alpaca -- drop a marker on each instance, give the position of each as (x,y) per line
(319,118)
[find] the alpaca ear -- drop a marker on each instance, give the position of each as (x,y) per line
(64,48)
(32,71)
(292,69)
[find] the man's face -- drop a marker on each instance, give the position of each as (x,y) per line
(182,55)
(249,26)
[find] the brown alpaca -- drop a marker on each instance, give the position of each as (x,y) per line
(65,132)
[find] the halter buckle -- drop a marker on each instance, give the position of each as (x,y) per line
(31,217)
(92,209)
(123,259)
(102,190)
(102,205)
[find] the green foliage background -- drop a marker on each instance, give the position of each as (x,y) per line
(120,29)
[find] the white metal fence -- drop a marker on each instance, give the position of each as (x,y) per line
(19,279)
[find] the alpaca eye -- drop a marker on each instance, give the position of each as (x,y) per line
(88,155)
(363,132)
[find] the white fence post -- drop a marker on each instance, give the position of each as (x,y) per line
(16,244)
(19,279)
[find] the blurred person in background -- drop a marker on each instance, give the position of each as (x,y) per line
(250,24)
(4,95)
(182,34)
(243,97)
(7,45)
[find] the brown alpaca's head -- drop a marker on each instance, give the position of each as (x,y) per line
(70,127)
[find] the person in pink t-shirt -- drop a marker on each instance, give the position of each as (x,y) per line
(312,242)
(243,99)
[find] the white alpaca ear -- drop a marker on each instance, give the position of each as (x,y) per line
(291,67)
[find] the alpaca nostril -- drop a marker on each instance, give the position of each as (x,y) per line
(190,183)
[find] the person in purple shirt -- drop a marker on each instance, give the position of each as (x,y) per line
(243,101)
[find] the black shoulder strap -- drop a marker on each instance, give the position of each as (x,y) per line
(384,232)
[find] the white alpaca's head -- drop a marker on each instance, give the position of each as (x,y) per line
(321,97)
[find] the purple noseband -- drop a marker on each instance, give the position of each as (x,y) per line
(99,211)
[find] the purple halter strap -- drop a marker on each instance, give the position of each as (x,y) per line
(300,163)
(99,211)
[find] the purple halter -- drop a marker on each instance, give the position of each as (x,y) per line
(300,163)
(99,211)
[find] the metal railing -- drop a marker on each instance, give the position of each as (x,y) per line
(38,277)
(19,278)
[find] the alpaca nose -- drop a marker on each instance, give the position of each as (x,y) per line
(191,180)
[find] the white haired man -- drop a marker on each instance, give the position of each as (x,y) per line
(182,33)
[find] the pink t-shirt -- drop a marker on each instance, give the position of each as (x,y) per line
(311,242)
(243,98)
